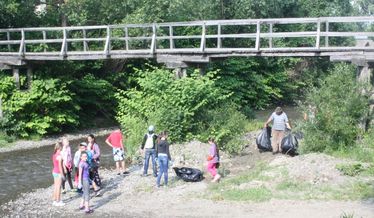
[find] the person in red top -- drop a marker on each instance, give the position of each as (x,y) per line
(115,140)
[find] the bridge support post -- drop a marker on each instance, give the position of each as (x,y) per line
(180,72)
(16,77)
(29,77)
(364,75)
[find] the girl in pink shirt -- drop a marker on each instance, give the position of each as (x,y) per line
(57,175)
(213,160)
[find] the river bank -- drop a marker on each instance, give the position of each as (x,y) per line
(255,185)
(47,141)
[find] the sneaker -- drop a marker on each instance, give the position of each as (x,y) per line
(63,191)
(60,204)
(97,194)
(118,174)
(89,211)
(54,203)
(126,172)
(81,207)
(144,175)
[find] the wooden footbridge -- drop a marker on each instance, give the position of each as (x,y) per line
(179,44)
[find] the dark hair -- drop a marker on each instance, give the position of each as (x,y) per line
(163,134)
(83,152)
(92,136)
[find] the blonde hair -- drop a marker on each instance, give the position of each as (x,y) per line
(58,146)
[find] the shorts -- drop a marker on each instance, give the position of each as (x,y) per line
(118,154)
(86,190)
(56,175)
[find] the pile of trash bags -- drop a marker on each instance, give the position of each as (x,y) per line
(289,143)
(189,174)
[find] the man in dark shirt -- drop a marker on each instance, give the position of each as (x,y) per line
(148,147)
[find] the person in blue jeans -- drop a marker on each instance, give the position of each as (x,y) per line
(148,147)
(163,155)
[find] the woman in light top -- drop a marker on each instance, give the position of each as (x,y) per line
(280,122)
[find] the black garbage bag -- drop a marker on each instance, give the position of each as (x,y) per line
(289,144)
(263,140)
(189,174)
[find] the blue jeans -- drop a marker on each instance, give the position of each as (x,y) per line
(150,153)
(163,162)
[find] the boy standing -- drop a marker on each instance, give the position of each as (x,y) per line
(115,140)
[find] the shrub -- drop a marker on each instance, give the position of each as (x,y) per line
(339,108)
(191,107)
(47,107)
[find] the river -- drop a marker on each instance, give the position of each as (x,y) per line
(26,170)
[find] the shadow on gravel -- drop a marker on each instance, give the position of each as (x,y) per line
(105,200)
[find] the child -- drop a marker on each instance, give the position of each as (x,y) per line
(94,162)
(77,157)
(84,183)
(213,160)
(57,175)
(67,163)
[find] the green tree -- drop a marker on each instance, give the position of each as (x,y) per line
(339,106)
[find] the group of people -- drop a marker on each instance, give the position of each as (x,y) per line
(87,158)
(85,165)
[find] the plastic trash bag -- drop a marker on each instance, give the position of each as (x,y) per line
(263,140)
(189,174)
(289,144)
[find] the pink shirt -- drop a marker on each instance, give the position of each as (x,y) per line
(115,139)
(56,168)
(66,156)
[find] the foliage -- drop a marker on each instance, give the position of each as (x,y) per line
(95,96)
(47,107)
(339,106)
(350,169)
(189,107)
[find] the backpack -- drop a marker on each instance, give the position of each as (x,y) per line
(149,143)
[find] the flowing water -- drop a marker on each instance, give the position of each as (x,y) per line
(24,171)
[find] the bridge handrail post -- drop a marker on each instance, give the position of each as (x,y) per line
(258,27)
(107,42)
(219,40)
(127,38)
(64,46)
(318,35)
(45,38)
(153,43)
(327,37)
(85,45)
(203,33)
(22,46)
(271,38)
(171,40)
(8,38)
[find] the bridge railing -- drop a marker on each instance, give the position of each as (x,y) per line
(198,37)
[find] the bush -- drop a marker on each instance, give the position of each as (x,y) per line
(46,108)
(339,107)
(191,107)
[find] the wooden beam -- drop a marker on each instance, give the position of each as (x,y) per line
(29,77)
(16,77)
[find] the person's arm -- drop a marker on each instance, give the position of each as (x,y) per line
(122,146)
(80,175)
(269,120)
(60,167)
(96,149)
(167,150)
(287,122)
(143,142)
(108,142)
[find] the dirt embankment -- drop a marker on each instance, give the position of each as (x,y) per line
(136,196)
